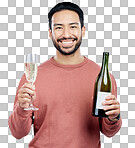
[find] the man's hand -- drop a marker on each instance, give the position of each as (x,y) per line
(112,107)
(26,94)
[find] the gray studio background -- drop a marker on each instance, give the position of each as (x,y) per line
(110,26)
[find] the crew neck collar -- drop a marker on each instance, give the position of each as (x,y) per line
(68,66)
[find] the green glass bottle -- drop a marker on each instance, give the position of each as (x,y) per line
(102,88)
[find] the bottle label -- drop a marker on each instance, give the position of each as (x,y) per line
(101,98)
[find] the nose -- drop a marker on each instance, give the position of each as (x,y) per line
(66,32)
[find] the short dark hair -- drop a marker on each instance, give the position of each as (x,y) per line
(66,6)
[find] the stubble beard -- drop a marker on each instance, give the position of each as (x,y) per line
(56,45)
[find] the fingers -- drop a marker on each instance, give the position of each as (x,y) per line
(26,94)
(29,85)
(110,100)
(27,88)
(112,106)
(24,102)
(112,110)
(112,113)
(110,97)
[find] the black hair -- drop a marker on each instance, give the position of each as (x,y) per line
(66,6)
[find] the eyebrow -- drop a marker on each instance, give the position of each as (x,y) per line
(57,24)
(75,23)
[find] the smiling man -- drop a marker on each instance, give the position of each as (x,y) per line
(63,92)
(66,36)
(66,32)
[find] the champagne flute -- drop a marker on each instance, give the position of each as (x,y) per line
(31,68)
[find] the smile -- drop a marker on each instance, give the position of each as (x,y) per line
(67,43)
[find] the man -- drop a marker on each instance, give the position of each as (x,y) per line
(63,92)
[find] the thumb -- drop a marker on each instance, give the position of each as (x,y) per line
(33,96)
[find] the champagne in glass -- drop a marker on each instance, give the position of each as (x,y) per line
(31,68)
(31,72)
(102,88)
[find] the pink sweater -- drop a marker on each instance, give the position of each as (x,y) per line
(64,98)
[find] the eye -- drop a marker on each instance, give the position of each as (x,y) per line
(58,28)
(73,27)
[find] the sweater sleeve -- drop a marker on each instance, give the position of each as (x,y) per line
(20,120)
(110,128)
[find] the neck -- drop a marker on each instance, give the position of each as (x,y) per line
(73,59)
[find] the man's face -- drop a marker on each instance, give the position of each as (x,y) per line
(66,32)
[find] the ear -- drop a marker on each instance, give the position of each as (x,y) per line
(50,33)
(83,31)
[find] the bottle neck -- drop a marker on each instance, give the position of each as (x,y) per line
(105,61)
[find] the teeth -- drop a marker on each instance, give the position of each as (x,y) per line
(67,42)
